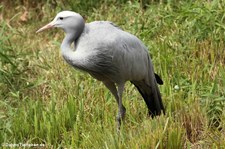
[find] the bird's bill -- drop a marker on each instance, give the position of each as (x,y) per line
(49,25)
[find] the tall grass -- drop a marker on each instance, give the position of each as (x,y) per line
(45,101)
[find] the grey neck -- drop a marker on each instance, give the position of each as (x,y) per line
(67,41)
(69,53)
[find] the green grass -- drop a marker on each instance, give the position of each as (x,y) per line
(45,101)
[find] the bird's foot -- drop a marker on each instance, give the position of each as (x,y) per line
(120,117)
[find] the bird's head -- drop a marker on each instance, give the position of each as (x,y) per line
(67,20)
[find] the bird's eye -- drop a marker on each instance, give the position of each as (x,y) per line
(60,18)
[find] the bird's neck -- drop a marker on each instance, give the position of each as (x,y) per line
(66,44)
(71,36)
(69,53)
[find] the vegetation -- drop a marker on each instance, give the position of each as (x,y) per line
(45,101)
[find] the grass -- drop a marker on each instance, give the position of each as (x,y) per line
(45,101)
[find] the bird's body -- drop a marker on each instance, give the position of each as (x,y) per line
(110,55)
(105,61)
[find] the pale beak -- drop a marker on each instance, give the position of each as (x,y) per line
(49,25)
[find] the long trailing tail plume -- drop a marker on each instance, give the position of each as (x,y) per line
(151,96)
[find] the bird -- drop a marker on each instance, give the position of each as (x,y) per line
(110,55)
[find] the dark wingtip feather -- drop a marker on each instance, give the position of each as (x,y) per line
(154,103)
(158,79)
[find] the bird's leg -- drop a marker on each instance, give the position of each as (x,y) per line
(111,86)
(122,109)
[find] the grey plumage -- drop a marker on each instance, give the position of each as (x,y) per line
(110,55)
